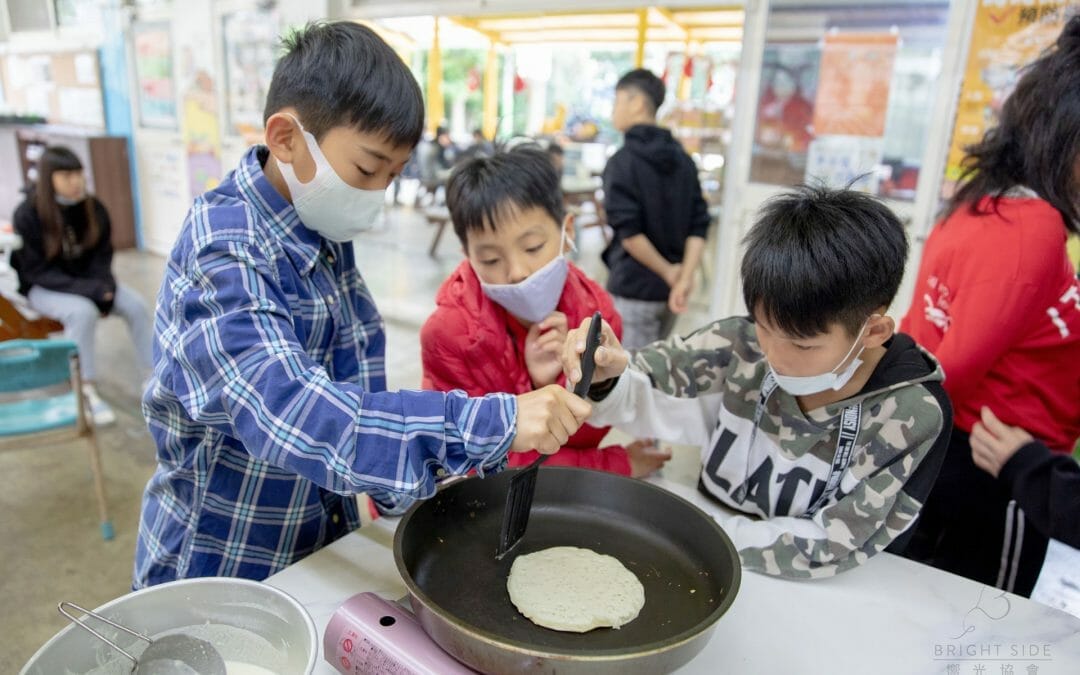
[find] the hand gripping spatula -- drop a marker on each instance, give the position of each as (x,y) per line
(519,497)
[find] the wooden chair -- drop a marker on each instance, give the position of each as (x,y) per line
(42,403)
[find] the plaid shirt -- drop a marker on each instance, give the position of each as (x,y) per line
(268,400)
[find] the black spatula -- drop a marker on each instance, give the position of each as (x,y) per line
(519,497)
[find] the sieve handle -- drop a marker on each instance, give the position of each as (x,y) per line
(98,635)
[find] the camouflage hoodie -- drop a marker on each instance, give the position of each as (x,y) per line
(703,390)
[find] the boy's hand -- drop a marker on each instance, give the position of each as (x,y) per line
(547,418)
(673,275)
(645,458)
(543,349)
(993,442)
(679,298)
(611,358)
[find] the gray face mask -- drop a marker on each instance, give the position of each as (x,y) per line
(68,201)
(537,295)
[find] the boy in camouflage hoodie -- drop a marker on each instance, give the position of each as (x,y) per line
(815,418)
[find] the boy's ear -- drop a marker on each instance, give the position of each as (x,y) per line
(879,329)
(282,137)
(568,225)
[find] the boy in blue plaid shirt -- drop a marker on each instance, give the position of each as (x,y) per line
(268,402)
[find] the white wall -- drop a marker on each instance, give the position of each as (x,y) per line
(161,155)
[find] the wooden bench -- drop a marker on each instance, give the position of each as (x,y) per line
(14,324)
(439,216)
(17,320)
(576,196)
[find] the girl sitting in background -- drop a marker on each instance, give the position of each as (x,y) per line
(65,265)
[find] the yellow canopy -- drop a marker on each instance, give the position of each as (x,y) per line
(691,27)
(651,24)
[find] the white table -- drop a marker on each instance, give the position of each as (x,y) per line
(889,616)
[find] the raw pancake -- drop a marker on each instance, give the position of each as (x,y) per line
(574,589)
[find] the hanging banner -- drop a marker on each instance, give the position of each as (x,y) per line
(854,78)
(1006,36)
(201,121)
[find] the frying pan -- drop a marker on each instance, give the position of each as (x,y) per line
(445,551)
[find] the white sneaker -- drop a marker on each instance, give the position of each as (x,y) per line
(101,412)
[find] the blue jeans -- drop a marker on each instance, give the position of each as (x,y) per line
(80,316)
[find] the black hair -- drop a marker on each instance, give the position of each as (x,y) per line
(818,256)
(555,149)
(59,158)
(343,74)
(646,83)
(483,190)
(1036,142)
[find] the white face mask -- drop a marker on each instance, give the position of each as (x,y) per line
(537,295)
(815,384)
(327,204)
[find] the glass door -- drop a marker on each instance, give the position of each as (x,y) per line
(843,94)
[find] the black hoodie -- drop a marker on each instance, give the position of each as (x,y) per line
(651,188)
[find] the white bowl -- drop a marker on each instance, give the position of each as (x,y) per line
(249,605)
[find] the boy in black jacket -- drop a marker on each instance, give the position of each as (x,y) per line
(653,201)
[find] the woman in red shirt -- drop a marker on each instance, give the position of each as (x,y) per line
(998,303)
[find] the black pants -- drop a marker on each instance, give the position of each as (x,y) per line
(970,526)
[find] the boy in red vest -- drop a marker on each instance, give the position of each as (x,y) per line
(502,315)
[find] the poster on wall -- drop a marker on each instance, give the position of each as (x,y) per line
(846,161)
(1005,38)
(250,41)
(81,106)
(30,82)
(854,79)
(789,81)
(155,87)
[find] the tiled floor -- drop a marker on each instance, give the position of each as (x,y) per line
(51,550)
